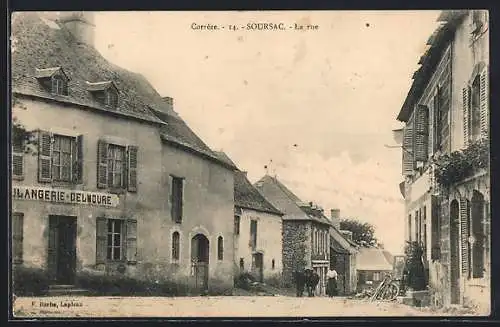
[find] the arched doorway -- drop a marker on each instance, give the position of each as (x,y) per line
(454,254)
(200,253)
(477,231)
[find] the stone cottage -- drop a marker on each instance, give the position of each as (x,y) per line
(115,182)
(446,116)
(258,243)
(306,241)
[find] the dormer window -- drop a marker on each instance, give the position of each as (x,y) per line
(104,92)
(54,80)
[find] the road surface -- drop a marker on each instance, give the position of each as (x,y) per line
(229,306)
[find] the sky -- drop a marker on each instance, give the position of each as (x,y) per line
(315,106)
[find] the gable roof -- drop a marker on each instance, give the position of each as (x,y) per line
(39,45)
(303,213)
(49,72)
(341,244)
(372,259)
(245,194)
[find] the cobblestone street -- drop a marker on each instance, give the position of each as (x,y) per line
(231,306)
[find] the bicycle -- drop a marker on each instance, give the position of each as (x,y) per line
(387,290)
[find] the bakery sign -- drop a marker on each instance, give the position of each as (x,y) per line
(64,196)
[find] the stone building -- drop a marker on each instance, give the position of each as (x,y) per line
(258,243)
(343,253)
(116,182)
(306,241)
(372,264)
(446,116)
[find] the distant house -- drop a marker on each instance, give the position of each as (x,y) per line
(343,252)
(372,264)
(306,241)
(257,230)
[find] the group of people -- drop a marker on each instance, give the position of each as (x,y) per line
(309,280)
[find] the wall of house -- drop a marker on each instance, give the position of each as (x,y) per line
(142,205)
(296,248)
(269,242)
(208,209)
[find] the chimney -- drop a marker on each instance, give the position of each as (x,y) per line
(335,217)
(347,234)
(80,24)
(169,102)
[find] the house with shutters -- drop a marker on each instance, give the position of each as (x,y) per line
(446,116)
(258,243)
(305,233)
(109,180)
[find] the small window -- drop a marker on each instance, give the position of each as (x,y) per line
(111,98)
(59,85)
(376,276)
(17,237)
(220,248)
(175,246)
(272,264)
(242,264)
(177,199)
(236,225)
(115,239)
(253,234)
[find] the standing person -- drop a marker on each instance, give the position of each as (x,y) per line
(299,282)
(331,278)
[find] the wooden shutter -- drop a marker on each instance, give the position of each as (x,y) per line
(102,164)
(101,240)
(44,157)
(131,237)
(466,111)
(77,152)
(436,229)
(408,149)
(484,103)
(422,133)
(132,168)
(17,237)
(464,227)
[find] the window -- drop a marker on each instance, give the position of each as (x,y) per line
(237,225)
(435,230)
(17,156)
(272,264)
(59,85)
(177,198)
(117,166)
(253,234)
(60,158)
(175,246)
(242,264)
(111,98)
(115,241)
(17,237)
(376,276)
(475,110)
(220,248)
(437,121)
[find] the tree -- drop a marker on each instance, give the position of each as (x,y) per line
(363,234)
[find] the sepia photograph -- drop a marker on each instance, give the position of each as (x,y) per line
(182,164)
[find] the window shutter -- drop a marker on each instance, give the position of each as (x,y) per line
(464,226)
(408,149)
(132,168)
(102,164)
(45,157)
(101,240)
(17,237)
(131,232)
(421,133)
(484,103)
(466,111)
(17,165)
(77,152)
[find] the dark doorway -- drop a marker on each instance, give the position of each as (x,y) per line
(454,255)
(258,266)
(477,216)
(62,249)
(200,260)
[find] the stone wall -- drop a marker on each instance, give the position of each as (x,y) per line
(295,248)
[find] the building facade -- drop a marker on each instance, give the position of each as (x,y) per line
(306,243)
(108,179)
(446,115)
